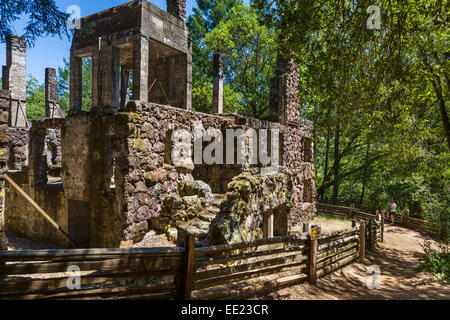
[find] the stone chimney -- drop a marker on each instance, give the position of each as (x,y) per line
(217,107)
(284,106)
(14,75)
(177,8)
(52,108)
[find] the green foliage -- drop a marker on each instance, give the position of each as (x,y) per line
(387,91)
(44,18)
(437,261)
(249,52)
(35,99)
(233,29)
(36,90)
(64,84)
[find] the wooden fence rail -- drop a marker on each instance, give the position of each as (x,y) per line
(187,272)
(439,230)
(344,212)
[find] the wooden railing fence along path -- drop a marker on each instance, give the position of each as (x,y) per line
(184,273)
(401,218)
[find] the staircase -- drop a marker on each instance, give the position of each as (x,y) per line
(199,226)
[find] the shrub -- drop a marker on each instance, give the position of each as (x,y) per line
(437,261)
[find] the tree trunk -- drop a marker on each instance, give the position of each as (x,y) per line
(366,169)
(336,165)
(444,116)
(327,151)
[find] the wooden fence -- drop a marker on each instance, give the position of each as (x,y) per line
(345,212)
(439,230)
(41,274)
(187,272)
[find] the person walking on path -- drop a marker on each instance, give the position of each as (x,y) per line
(392,210)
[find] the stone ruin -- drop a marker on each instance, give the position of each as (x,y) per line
(108,177)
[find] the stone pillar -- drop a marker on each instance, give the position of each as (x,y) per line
(140,68)
(38,156)
(95,74)
(189,76)
(18,139)
(283,104)
(76,82)
(110,75)
(177,8)
(52,108)
(15,74)
(217,107)
(124,87)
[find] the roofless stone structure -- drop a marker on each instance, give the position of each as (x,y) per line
(140,159)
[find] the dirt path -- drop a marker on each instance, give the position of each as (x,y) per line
(398,257)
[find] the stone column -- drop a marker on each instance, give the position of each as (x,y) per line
(189,76)
(52,108)
(15,74)
(177,8)
(38,156)
(110,75)
(217,107)
(140,68)
(283,104)
(76,82)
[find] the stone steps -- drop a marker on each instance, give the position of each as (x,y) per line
(190,228)
(199,226)
(218,198)
(207,217)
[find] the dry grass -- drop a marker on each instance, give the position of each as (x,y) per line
(331,224)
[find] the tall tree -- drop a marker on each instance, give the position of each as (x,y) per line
(44,18)
(250,51)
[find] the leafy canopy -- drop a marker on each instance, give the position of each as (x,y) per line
(44,19)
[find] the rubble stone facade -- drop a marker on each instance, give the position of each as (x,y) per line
(115,177)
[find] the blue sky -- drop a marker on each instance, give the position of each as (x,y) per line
(50,51)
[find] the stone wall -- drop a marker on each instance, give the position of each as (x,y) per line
(249,200)
(118,170)
(18,139)
(147,175)
(22,218)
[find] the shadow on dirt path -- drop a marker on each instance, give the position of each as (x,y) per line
(398,258)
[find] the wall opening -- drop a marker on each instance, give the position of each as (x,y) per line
(86,86)
(54,155)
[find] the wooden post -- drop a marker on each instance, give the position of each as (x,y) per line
(362,241)
(383,215)
(312,274)
(353,223)
(270,225)
(185,291)
(402,218)
(374,235)
(181,238)
(369,238)
(377,214)
(350,213)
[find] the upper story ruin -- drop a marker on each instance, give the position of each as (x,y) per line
(135,41)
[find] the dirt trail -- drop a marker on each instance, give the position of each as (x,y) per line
(398,257)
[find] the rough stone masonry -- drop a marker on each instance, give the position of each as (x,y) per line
(109,177)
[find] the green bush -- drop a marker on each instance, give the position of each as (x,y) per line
(437,262)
